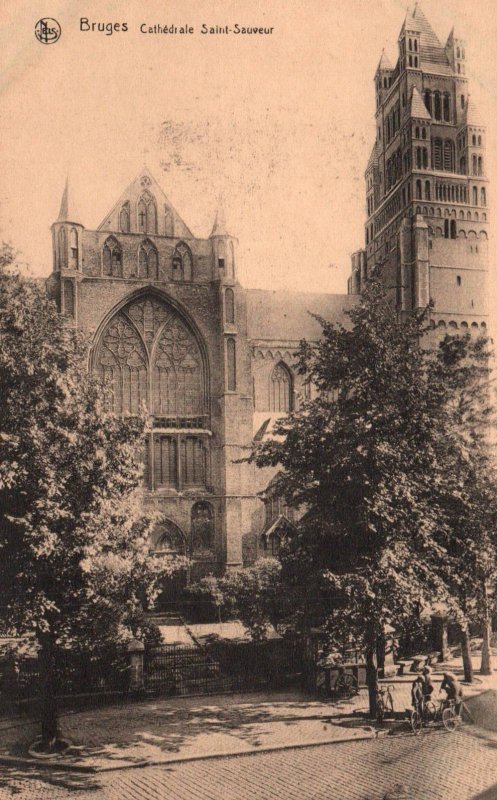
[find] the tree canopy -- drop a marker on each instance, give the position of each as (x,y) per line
(75,561)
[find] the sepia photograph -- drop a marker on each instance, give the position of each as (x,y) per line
(248,466)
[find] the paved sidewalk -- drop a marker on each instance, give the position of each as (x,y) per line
(172,730)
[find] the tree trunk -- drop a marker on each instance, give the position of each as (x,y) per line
(486,659)
(466,654)
(380,655)
(372,677)
(49,726)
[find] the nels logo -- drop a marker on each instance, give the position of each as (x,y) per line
(47,30)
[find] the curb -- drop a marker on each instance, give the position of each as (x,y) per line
(13,761)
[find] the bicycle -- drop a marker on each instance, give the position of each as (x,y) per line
(443,712)
(384,702)
(345,685)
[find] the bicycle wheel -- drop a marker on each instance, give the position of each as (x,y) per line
(346,685)
(450,719)
(416,721)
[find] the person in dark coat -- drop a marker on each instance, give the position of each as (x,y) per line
(453,689)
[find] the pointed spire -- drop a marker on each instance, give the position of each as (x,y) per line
(219,227)
(68,211)
(472,116)
(385,62)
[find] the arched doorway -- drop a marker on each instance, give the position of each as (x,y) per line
(168,541)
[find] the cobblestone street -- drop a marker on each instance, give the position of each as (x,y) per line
(433,766)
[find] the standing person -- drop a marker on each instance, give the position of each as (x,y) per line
(417,694)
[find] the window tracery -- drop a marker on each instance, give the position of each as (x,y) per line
(281,389)
(112,258)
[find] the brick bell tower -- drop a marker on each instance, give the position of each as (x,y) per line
(426,185)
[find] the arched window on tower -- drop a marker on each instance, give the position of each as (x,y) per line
(446,107)
(281,389)
(419,193)
(229,306)
(475,196)
(147,214)
(62,247)
(437,154)
(112,258)
(427,190)
(427,99)
(73,245)
(231,365)
(480,165)
(474,162)
(148,261)
(182,263)
(483,196)
(448,156)
(124,218)
(438,106)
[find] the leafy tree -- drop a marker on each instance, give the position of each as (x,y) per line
(362,460)
(75,566)
(469,495)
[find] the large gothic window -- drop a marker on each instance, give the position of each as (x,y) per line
(112,258)
(148,261)
(148,355)
(280,389)
(182,263)
(147,214)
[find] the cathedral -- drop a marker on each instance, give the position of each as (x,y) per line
(173,331)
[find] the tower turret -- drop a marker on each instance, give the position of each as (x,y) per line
(223,248)
(66,232)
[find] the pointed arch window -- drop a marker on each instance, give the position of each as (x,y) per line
(147,214)
(148,261)
(124,218)
(229,306)
(62,247)
(168,222)
(112,258)
(182,263)
(168,538)
(483,196)
(281,389)
(231,365)
(427,190)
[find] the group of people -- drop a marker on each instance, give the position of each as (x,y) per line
(423,688)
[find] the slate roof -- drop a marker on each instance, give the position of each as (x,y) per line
(287,316)
(418,108)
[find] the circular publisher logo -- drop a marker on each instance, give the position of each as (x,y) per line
(47,30)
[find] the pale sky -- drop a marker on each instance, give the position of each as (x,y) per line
(280,125)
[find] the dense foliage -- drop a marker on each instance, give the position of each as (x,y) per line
(75,565)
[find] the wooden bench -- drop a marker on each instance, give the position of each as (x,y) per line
(403,666)
(418,662)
